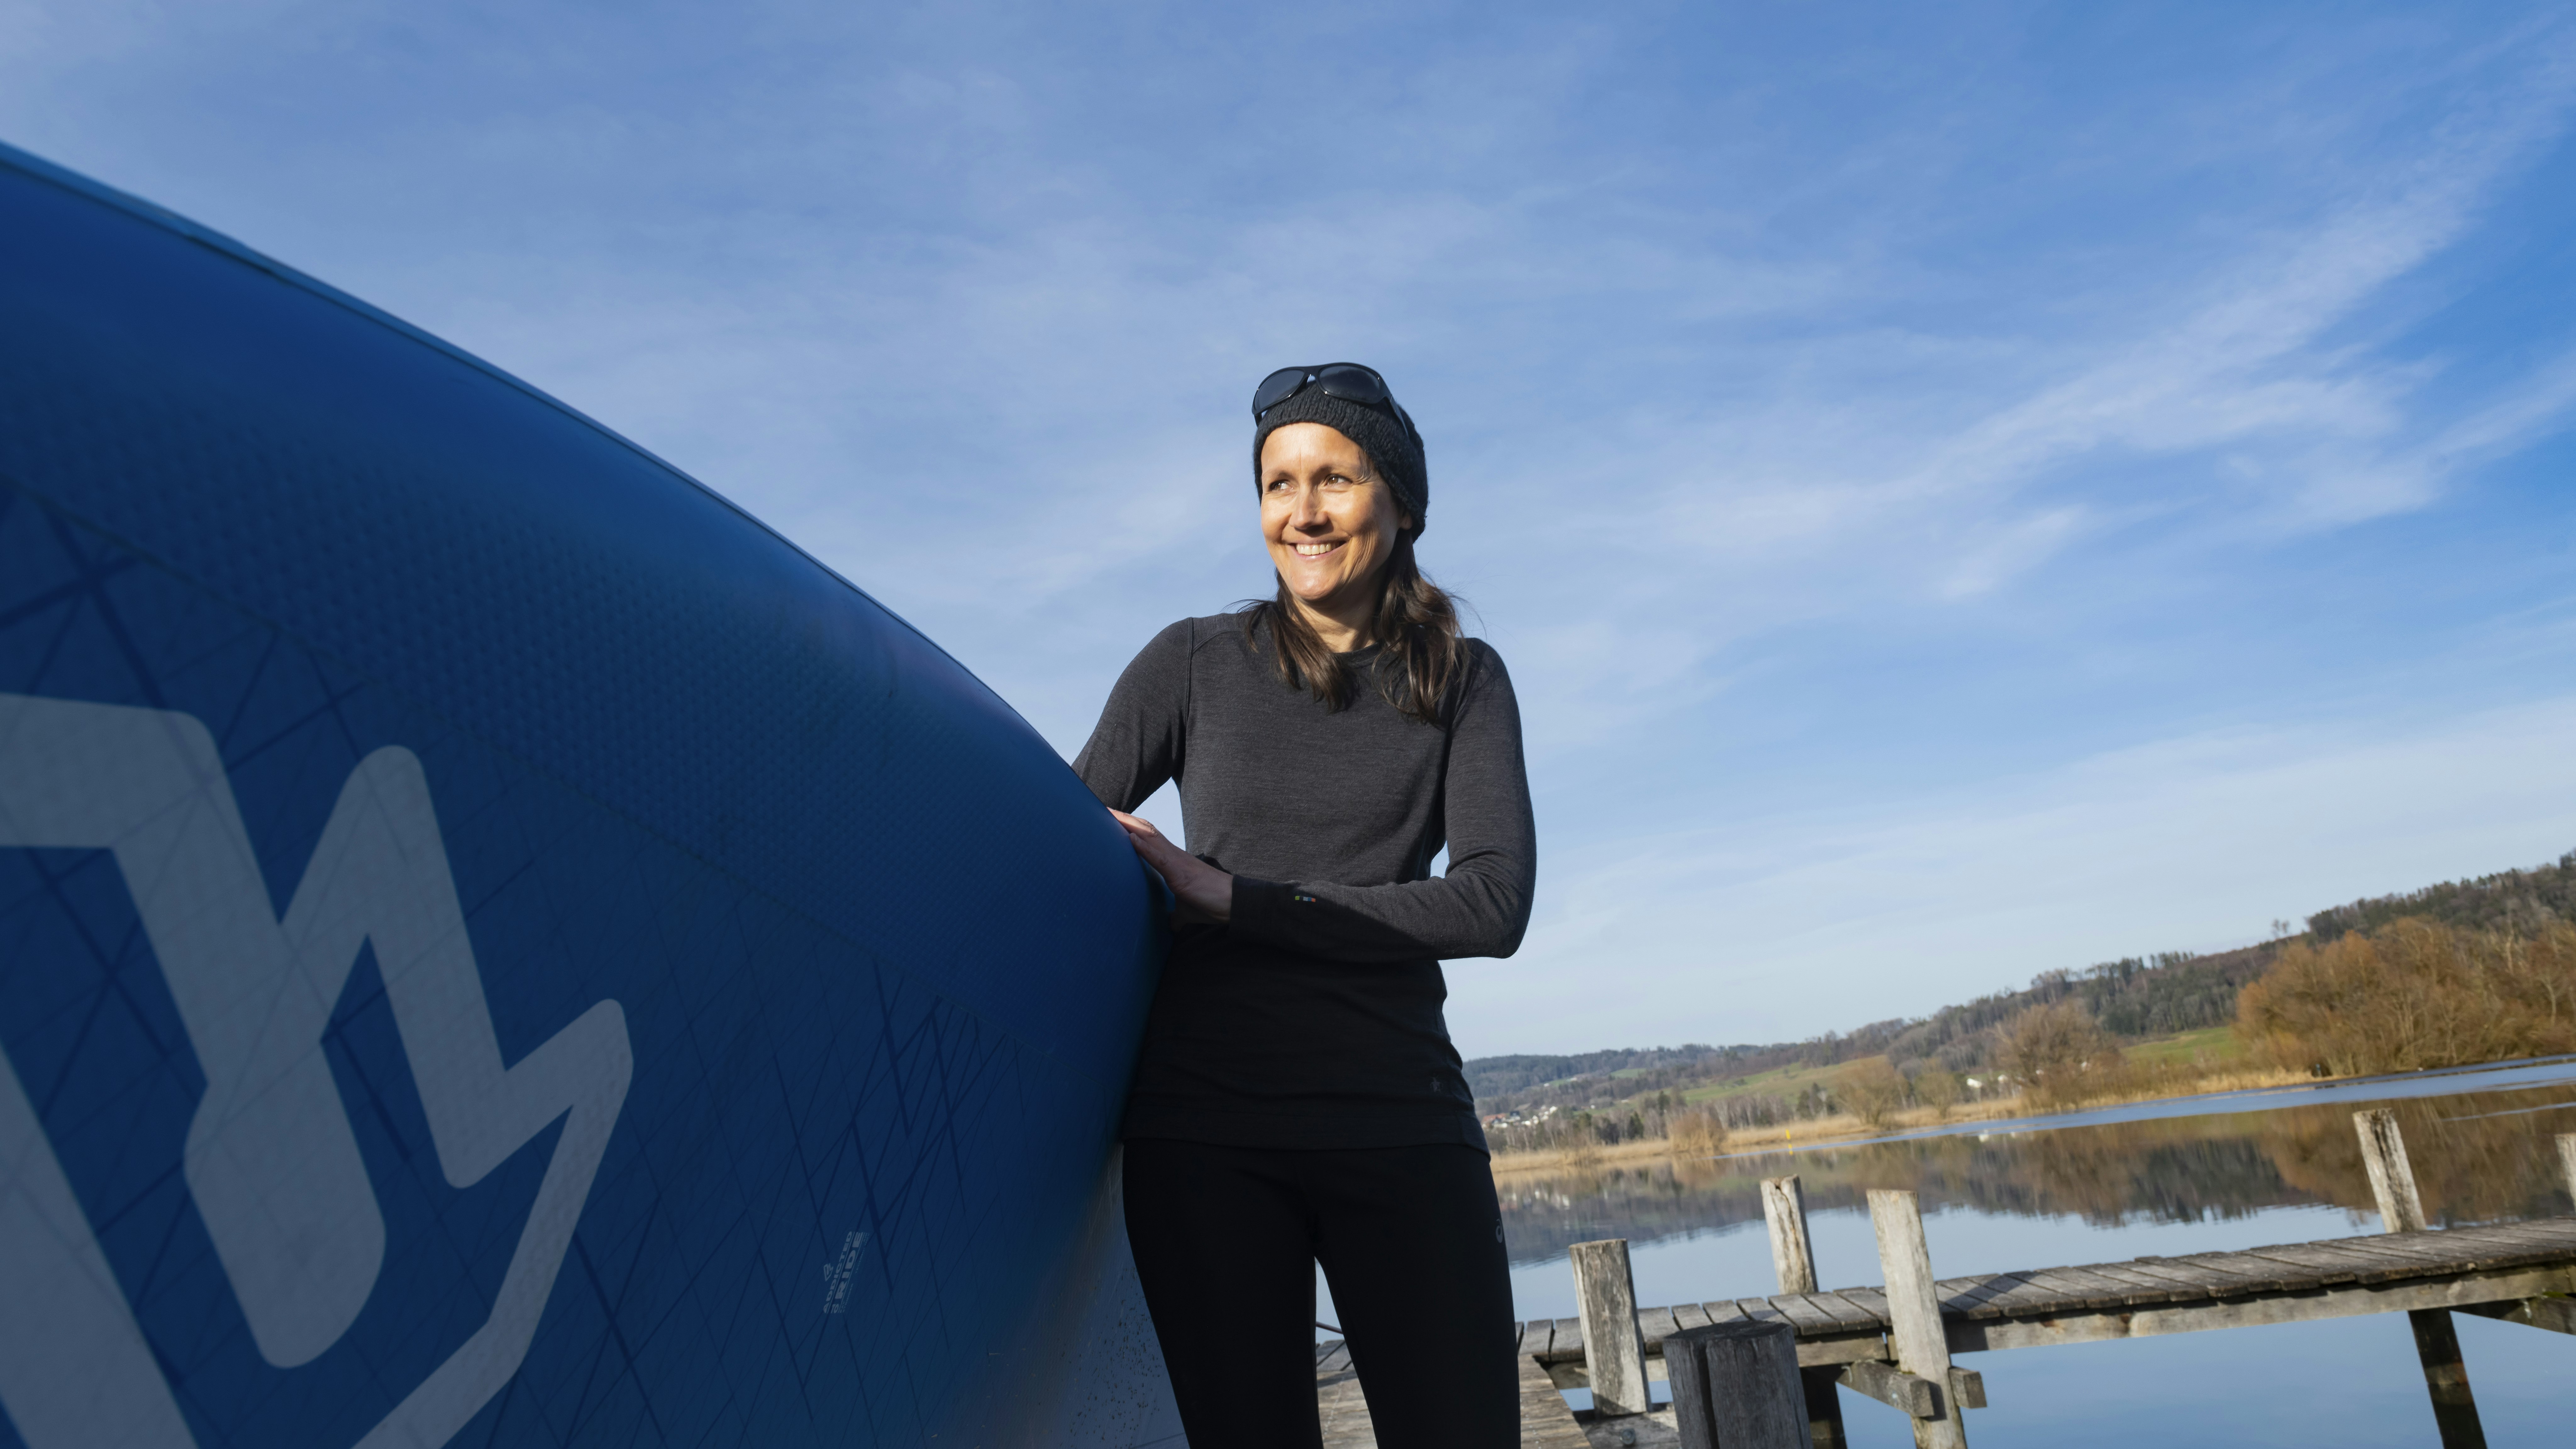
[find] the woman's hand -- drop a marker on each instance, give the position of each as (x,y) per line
(1203,892)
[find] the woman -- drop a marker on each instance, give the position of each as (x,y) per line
(1297,1100)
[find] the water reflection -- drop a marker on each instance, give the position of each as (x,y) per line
(2167,1177)
(2479,1156)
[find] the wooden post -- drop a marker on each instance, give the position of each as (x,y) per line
(1736,1384)
(2437,1340)
(2567,1159)
(1793,1258)
(1784,1210)
(1824,1406)
(2383,1154)
(1613,1353)
(1914,1313)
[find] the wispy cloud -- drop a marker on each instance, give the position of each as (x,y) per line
(1828,427)
(1776,928)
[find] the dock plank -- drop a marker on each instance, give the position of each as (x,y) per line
(1871,1300)
(1546,1421)
(1852,1316)
(1967,1295)
(1810,1321)
(1340,1406)
(2319,1266)
(2284,1282)
(2152,1286)
(2262,1275)
(2201,1280)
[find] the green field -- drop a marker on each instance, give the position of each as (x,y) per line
(1786,1081)
(2215,1044)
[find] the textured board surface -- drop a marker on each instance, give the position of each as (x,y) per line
(495,945)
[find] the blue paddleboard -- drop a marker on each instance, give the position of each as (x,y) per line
(496,946)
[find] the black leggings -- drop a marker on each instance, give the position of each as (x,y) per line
(1411,1239)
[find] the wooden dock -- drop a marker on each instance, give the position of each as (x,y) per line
(1852,1337)
(2463,1269)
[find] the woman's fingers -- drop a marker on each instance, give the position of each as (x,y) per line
(1149,842)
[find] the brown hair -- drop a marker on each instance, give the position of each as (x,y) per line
(1416,626)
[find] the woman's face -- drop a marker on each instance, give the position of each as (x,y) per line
(1330,522)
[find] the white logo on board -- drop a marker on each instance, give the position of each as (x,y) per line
(271,1159)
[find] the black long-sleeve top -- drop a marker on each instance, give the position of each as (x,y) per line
(1312,1019)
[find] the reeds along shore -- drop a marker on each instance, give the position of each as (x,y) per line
(2410,995)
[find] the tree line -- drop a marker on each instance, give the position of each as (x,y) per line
(2474,970)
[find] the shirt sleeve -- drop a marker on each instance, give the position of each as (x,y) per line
(1136,747)
(1481,907)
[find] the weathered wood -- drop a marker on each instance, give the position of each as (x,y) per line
(1808,1318)
(2501,1264)
(2383,1155)
(1736,1385)
(1341,1406)
(1654,1325)
(2446,1378)
(1842,1349)
(1546,1422)
(1904,1392)
(2197,1280)
(2437,1340)
(1914,1311)
(2567,1161)
(1968,1386)
(1872,1299)
(1849,1315)
(2047,1328)
(2256,1275)
(2558,1315)
(1535,1334)
(1962,1295)
(1613,1354)
(1784,1211)
(1824,1405)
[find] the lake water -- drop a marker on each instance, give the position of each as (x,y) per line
(2191,1175)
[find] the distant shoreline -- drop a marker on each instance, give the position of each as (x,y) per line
(1844,1127)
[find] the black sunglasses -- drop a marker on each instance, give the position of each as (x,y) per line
(1348,381)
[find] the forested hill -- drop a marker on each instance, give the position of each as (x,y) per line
(1491,1075)
(2514,900)
(2132,999)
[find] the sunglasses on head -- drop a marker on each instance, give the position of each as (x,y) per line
(1348,381)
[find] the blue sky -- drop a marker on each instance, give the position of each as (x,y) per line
(1963,490)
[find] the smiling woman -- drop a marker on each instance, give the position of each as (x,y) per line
(1297,1100)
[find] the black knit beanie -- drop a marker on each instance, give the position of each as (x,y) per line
(1393,449)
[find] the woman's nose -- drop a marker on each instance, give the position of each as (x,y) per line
(1309,512)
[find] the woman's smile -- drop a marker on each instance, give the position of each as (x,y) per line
(1331,524)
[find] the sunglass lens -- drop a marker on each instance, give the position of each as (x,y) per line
(1277,388)
(1353,383)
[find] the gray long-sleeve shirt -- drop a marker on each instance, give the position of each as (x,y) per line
(1312,1019)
